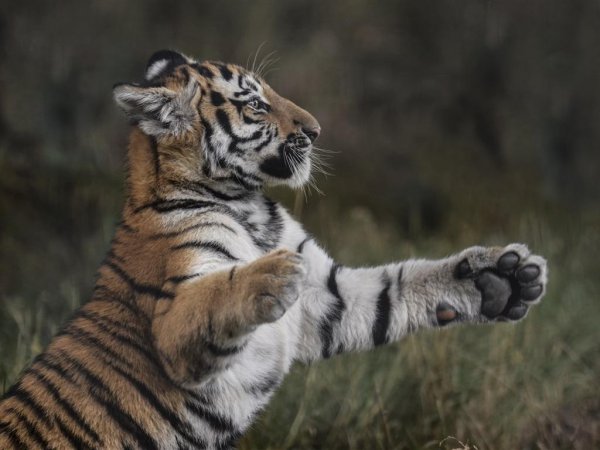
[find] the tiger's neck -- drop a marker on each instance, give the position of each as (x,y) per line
(157,171)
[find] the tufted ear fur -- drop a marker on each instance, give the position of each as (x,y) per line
(163,62)
(157,110)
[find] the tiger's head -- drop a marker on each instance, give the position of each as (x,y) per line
(220,122)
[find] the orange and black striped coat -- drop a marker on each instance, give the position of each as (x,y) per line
(210,291)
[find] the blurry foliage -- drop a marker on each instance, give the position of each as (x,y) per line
(503,84)
(454,123)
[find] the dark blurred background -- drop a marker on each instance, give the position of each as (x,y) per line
(453,123)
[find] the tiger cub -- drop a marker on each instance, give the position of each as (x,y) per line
(211,291)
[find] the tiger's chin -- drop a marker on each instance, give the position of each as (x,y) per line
(301,175)
(293,172)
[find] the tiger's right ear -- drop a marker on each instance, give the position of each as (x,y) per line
(163,62)
(158,110)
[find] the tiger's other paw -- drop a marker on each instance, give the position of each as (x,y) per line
(271,285)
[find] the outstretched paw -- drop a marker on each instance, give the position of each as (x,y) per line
(509,279)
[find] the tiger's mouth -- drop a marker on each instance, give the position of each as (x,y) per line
(292,160)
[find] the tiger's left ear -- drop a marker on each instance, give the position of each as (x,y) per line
(157,110)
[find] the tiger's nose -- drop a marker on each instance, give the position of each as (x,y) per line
(312,133)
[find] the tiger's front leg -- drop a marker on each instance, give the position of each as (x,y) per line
(482,284)
(348,309)
(208,322)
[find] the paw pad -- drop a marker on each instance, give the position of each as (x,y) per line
(495,292)
(509,280)
(445,313)
(508,261)
(528,273)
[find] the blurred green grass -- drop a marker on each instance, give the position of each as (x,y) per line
(494,387)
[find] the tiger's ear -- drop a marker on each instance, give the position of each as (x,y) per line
(163,62)
(157,110)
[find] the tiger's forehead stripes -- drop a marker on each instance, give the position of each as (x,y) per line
(232,80)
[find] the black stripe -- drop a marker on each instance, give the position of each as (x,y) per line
(225,124)
(236,179)
(208,245)
(140,288)
(126,325)
(81,336)
(217,421)
(131,307)
(219,351)
(245,118)
(8,430)
(302,244)
(399,278)
(382,314)
(19,393)
(225,72)
(89,340)
(170,234)
(239,105)
(155,156)
(264,386)
(242,92)
(267,237)
(52,389)
(31,428)
(203,70)
(232,273)
(239,170)
(182,428)
(104,324)
(208,132)
(181,278)
(264,143)
(166,206)
(332,284)
(222,195)
(223,120)
(251,85)
(275,224)
(244,181)
(204,189)
(216,99)
(333,316)
(107,399)
(216,349)
(72,438)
